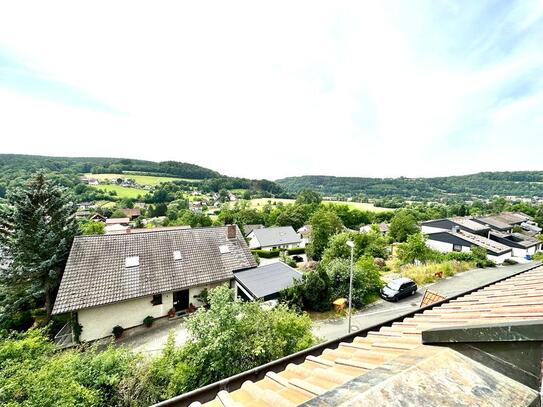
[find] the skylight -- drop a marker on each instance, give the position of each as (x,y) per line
(176,255)
(132,261)
(224,249)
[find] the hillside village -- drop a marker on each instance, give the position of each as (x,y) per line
(142,269)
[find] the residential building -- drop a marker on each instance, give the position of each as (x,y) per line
(463,223)
(305,235)
(97,217)
(521,245)
(480,348)
(115,226)
(458,240)
(132,213)
(282,237)
(114,280)
(381,227)
(247,229)
(265,282)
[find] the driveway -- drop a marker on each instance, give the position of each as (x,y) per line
(153,340)
(381,311)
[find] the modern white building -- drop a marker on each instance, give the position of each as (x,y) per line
(458,240)
(120,279)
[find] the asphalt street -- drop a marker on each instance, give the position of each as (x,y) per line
(381,310)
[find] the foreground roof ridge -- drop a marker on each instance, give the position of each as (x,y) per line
(515,298)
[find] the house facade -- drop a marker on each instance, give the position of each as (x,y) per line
(114,280)
(458,240)
(283,237)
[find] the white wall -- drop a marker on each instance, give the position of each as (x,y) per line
(430,229)
(281,246)
(98,322)
(499,259)
(443,247)
(253,241)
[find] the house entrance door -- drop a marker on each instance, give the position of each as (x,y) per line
(181,300)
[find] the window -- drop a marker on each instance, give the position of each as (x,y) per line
(132,261)
(457,248)
(157,299)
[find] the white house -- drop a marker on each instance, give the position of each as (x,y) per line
(305,235)
(458,240)
(114,280)
(521,245)
(283,237)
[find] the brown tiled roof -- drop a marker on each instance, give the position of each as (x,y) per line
(131,212)
(515,299)
(96,273)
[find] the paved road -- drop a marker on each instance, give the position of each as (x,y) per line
(382,310)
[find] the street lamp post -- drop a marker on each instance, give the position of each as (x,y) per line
(350,243)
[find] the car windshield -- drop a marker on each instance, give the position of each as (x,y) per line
(395,285)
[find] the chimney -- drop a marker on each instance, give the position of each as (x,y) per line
(231,231)
(456,229)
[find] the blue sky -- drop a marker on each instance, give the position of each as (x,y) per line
(260,89)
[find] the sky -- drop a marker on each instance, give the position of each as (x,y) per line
(260,89)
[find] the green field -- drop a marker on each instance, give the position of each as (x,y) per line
(122,192)
(260,202)
(140,179)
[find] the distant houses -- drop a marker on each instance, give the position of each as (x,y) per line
(494,233)
(281,237)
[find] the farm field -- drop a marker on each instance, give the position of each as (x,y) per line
(140,179)
(122,192)
(260,202)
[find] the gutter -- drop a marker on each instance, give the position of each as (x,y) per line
(208,393)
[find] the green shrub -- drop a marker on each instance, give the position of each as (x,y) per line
(267,254)
(510,262)
(117,331)
(296,250)
(148,321)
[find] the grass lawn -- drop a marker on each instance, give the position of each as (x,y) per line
(122,192)
(260,202)
(140,179)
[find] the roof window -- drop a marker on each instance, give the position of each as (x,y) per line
(224,249)
(177,255)
(132,261)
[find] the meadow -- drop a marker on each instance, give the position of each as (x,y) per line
(122,192)
(139,179)
(260,202)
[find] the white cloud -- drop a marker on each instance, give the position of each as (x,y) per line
(261,89)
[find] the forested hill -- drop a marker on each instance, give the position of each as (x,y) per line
(482,185)
(16,168)
(15,162)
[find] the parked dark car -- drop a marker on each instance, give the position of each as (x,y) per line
(398,288)
(297,259)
